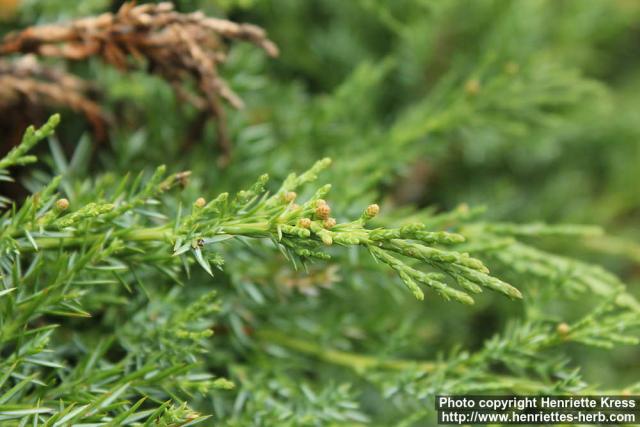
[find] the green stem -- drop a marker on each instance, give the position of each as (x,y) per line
(159,234)
(163,233)
(353,361)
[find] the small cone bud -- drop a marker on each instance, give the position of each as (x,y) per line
(323,211)
(304,223)
(371,211)
(200,202)
(320,202)
(563,329)
(62,204)
(329,223)
(290,196)
(472,87)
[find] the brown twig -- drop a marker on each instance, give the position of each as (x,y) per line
(28,88)
(175,45)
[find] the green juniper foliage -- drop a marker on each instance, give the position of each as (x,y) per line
(328,292)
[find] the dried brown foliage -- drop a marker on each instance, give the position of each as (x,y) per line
(28,90)
(175,46)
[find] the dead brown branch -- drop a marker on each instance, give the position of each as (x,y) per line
(29,91)
(176,46)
